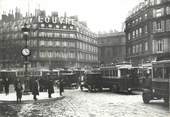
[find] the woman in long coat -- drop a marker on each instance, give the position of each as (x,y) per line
(18,89)
(61,87)
(35,90)
(50,88)
(6,85)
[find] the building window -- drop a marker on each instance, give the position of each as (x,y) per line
(136,32)
(137,48)
(146,46)
(134,49)
(57,43)
(158,26)
(136,21)
(158,1)
(168,10)
(129,50)
(140,47)
(42,25)
(64,27)
(146,29)
(146,15)
(160,46)
(50,43)
(152,2)
(56,34)
(41,34)
(168,25)
(140,19)
(133,34)
(158,12)
(42,43)
(140,31)
(57,26)
(50,25)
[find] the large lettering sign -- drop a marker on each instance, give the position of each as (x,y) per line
(55,20)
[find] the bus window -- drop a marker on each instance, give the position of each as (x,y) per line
(158,72)
(167,72)
(124,72)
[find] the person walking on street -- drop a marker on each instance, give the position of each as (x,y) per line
(50,88)
(6,85)
(1,85)
(18,89)
(61,87)
(35,90)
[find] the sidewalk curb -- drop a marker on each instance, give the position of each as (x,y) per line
(32,101)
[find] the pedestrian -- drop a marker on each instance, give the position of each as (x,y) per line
(61,87)
(18,89)
(35,90)
(50,88)
(6,85)
(1,85)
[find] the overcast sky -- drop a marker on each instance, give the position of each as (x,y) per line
(100,15)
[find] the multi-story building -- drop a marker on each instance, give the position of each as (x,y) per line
(147,31)
(54,41)
(112,47)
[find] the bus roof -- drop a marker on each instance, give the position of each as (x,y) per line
(162,61)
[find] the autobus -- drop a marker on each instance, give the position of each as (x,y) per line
(70,78)
(92,81)
(8,73)
(32,73)
(120,78)
(159,83)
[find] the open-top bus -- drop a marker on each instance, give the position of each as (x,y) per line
(159,83)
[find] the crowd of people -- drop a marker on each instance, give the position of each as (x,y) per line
(36,85)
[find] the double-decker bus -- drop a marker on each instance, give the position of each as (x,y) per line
(158,85)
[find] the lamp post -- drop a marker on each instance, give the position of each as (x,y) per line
(26,52)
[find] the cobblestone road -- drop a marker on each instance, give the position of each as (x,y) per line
(85,104)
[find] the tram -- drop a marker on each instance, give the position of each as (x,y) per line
(159,84)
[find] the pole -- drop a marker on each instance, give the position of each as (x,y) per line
(26,67)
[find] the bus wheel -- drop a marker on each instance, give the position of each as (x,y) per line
(166,100)
(146,97)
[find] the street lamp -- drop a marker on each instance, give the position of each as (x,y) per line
(26,52)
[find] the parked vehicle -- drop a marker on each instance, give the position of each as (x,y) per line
(159,83)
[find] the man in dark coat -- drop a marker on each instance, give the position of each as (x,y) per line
(35,90)
(61,87)
(6,85)
(18,89)
(50,88)
(1,85)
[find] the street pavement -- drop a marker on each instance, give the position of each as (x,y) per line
(85,104)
